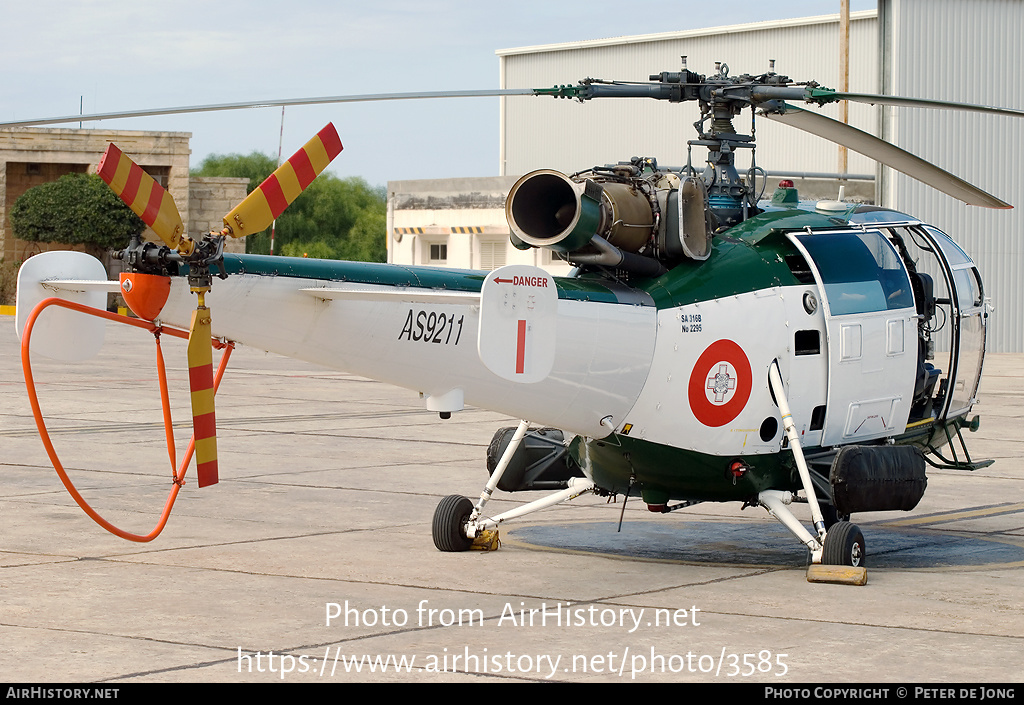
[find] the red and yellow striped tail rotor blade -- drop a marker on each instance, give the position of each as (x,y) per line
(200,379)
(261,207)
(148,199)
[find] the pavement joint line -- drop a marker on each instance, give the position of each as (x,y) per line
(865,625)
(1001,509)
(114,635)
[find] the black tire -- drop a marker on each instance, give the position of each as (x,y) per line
(512,478)
(449,519)
(844,545)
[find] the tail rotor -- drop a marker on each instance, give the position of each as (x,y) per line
(155,206)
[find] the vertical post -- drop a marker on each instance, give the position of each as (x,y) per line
(280,142)
(844,75)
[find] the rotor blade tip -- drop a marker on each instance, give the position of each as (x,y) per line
(108,163)
(331,141)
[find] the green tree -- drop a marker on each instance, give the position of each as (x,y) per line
(76,209)
(255,166)
(332,219)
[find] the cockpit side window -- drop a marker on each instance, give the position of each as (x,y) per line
(968,288)
(860,270)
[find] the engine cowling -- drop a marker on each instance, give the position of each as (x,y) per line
(624,216)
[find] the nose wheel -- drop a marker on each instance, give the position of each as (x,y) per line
(449,527)
(844,545)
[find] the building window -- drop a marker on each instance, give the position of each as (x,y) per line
(161,174)
(550,257)
(438,253)
(492,254)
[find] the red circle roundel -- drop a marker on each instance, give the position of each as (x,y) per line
(720,383)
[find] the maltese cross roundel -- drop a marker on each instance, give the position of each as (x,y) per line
(720,383)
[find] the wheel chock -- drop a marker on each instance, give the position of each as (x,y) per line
(840,574)
(486,541)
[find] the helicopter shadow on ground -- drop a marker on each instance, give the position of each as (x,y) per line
(740,544)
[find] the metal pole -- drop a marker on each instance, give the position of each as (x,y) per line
(844,73)
(280,141)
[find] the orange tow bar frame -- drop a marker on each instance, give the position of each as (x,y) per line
(179,473)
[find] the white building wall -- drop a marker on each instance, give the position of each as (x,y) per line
(967,51)
(456,223)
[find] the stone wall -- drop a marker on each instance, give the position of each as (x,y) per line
(211,198)
(30,156)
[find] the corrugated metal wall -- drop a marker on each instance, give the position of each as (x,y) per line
(969,52)
(570,136)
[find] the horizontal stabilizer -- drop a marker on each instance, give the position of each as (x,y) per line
(81,285)
(61,334)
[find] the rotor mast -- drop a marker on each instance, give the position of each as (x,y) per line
(721,98)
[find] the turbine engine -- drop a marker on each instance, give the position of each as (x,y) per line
(631,216)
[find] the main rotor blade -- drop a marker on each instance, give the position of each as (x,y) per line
(147,199)
(200,380)
(365,98)
(824,95)
(888,154)
(268,200)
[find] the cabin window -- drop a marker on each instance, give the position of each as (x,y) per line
(860,270)
(807,342)
(968,287)
(817,419)
(798,265)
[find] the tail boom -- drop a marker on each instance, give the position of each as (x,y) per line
(419,328)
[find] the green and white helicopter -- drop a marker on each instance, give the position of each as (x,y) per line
(709,346)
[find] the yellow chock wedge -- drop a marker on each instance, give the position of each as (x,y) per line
(840,574)
(486,541)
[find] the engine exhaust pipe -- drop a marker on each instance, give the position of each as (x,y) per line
(546,209)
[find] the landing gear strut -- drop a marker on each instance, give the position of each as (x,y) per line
(457,522)
(842,544)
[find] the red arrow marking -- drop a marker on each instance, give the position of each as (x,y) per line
(524,281)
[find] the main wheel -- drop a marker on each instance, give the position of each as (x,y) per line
(844,545)
(449,522)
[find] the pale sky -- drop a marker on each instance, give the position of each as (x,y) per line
(110,55)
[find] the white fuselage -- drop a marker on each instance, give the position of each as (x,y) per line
(602,357)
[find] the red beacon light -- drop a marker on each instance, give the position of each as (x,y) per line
(785,195)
